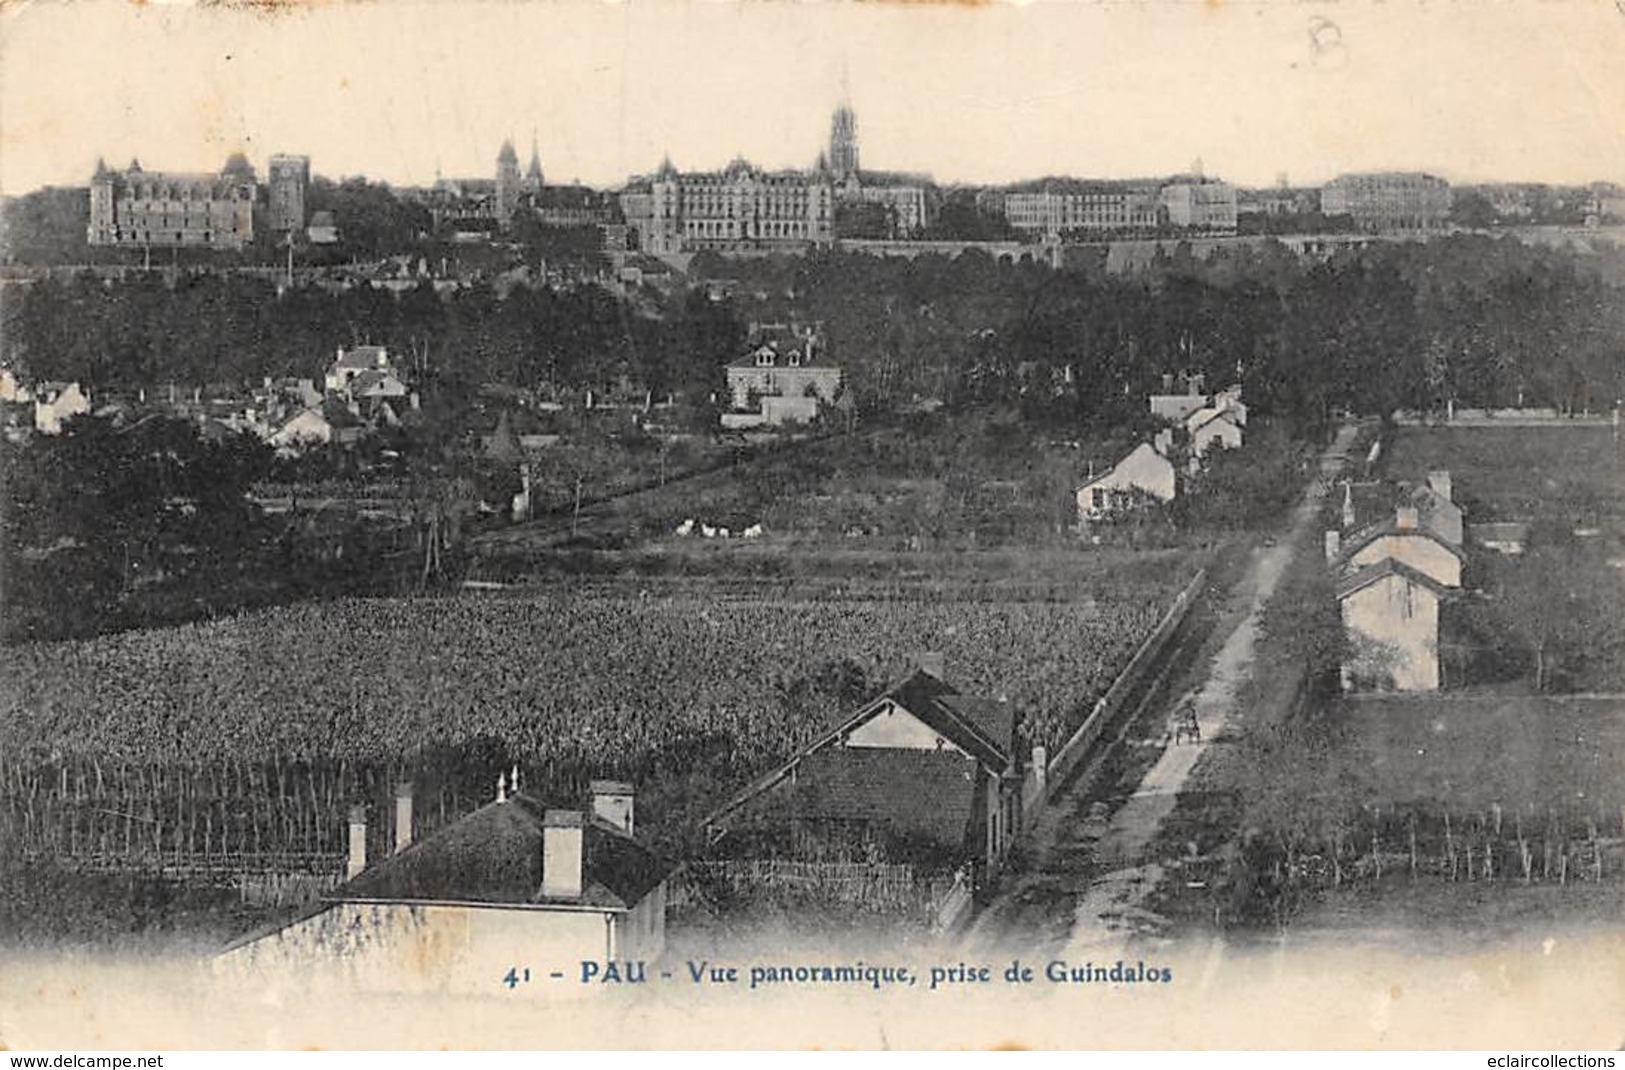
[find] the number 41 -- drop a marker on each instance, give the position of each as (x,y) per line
(516,976)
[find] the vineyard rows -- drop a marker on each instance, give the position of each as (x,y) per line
(258,732)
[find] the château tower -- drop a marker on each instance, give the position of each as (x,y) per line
(508,187)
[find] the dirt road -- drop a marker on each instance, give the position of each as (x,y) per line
(1087,876)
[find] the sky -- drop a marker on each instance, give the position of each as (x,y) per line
(1509,90)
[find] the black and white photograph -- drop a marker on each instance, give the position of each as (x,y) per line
(754,524)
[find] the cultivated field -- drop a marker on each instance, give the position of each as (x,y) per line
(686,693)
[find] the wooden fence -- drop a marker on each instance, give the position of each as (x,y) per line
(894,889)
(1127,684)
(1422,844)
(275,879)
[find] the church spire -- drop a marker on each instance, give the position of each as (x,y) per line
(533,173)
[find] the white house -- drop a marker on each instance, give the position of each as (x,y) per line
(923,767)
(1181,395)
(350,363)
(1392,576)
(511,884)
(56,402)
(317,425)
(1402,538)
(12,389)
(1390,614)
(1213,425)
(1145,473)
(785,372)
(307,427)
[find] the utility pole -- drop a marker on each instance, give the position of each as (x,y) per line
(575,517)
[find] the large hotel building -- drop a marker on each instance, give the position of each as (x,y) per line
(740,207)
(1389,200)
(743,207)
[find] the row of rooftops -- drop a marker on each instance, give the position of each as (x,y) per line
(516,851)
(1375,511)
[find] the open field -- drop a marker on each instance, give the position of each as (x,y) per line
(1468,750)
(971,483)
(1514,473)
(1389,811)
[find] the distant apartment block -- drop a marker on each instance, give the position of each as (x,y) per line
(145,208)
(1063,206)
(1389,200)
(1197,205)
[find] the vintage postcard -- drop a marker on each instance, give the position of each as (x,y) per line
(665,524)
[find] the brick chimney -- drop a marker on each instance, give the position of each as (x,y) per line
(612,801)
(931,661)
(1334,546)
(403,816)
(1439,481)
(563,844)
(1405,518)
(357,860)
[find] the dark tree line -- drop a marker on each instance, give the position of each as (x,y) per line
(1469,320)
(207,330)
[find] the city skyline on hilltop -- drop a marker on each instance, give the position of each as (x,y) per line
(992,95)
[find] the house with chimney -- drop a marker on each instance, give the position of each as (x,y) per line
(1393,574)
(514,882)
(350,363)
(923,775)
(1220,422)
(1181,395)
(1146,475)
(783,376)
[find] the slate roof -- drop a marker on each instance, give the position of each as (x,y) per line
(494,856)
(373,379)
(1437,513)
(1374,504)
(983,728)
(1365,577)
(782,348)
(1390,526)
(913,794)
